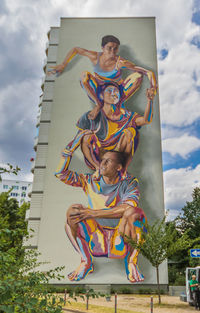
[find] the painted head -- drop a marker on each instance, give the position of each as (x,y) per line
(112,162)
(110,93)
(110,45)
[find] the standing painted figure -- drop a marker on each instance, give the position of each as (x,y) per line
(107,68)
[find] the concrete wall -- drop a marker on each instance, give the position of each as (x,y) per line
(176,290)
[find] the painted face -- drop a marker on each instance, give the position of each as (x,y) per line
(111,95)
(109,165)
(110,49)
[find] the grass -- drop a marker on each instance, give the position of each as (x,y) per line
(132,305)
(96,308)
(171,306)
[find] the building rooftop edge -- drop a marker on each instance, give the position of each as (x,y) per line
(22,181)
(107,17)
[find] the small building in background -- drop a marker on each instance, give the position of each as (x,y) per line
(19,189)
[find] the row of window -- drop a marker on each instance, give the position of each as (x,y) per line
(15,187)
(15,194)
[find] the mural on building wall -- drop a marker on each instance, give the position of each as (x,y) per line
(108,136)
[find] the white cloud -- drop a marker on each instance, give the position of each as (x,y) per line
(182,145)
(15,106)
(178,186)
(172,214)
(20,176)
(170,131)
(178,88)
(4,165)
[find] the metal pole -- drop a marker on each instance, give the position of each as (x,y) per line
(65,296)
(151,304)
(87,300)
(115,302)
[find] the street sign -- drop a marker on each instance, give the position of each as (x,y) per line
(195,253)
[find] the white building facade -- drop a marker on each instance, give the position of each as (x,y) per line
(19,190)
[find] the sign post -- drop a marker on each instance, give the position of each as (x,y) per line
(195,253)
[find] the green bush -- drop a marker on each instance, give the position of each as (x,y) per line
(23,288)
(59,289)
(126,290)
(145,291)
(112,290)
(79,290)
(180,281)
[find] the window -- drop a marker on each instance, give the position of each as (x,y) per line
(5,186)
(14,194)
(15,187)
(23,194)
(24,188)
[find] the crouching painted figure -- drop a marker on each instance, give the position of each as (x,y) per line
(112,214)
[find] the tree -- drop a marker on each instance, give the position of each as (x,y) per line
(10,169)
(187,221)
(12,217)
(159,242)
(23,288)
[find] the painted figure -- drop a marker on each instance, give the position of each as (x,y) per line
(107,68)
(110,198)
(109,130)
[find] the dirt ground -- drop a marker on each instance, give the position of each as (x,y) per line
(141,304)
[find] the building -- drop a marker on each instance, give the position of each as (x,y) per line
(61,104)
(19,190)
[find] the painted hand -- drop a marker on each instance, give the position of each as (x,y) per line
(81,213)
(58,69)
(150,93)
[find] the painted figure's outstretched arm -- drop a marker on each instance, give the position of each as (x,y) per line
(148,114)
(63,173)
(131,66)
(92,55)
(67,176)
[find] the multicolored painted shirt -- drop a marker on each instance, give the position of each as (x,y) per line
(100,195)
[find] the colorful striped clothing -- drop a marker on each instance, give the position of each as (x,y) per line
(100,195)
(97,80)
(108,131)
(102,75)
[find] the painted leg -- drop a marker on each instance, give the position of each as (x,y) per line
(79,236)
(131,84)
(88,146)
(126,144)
(132,271)
(90,85)
(86,265)
(131,225)
(68,151)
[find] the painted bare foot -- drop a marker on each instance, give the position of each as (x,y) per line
(82,271)
(93,114)
(133,273)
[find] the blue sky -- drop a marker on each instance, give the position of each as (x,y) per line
(24,25)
